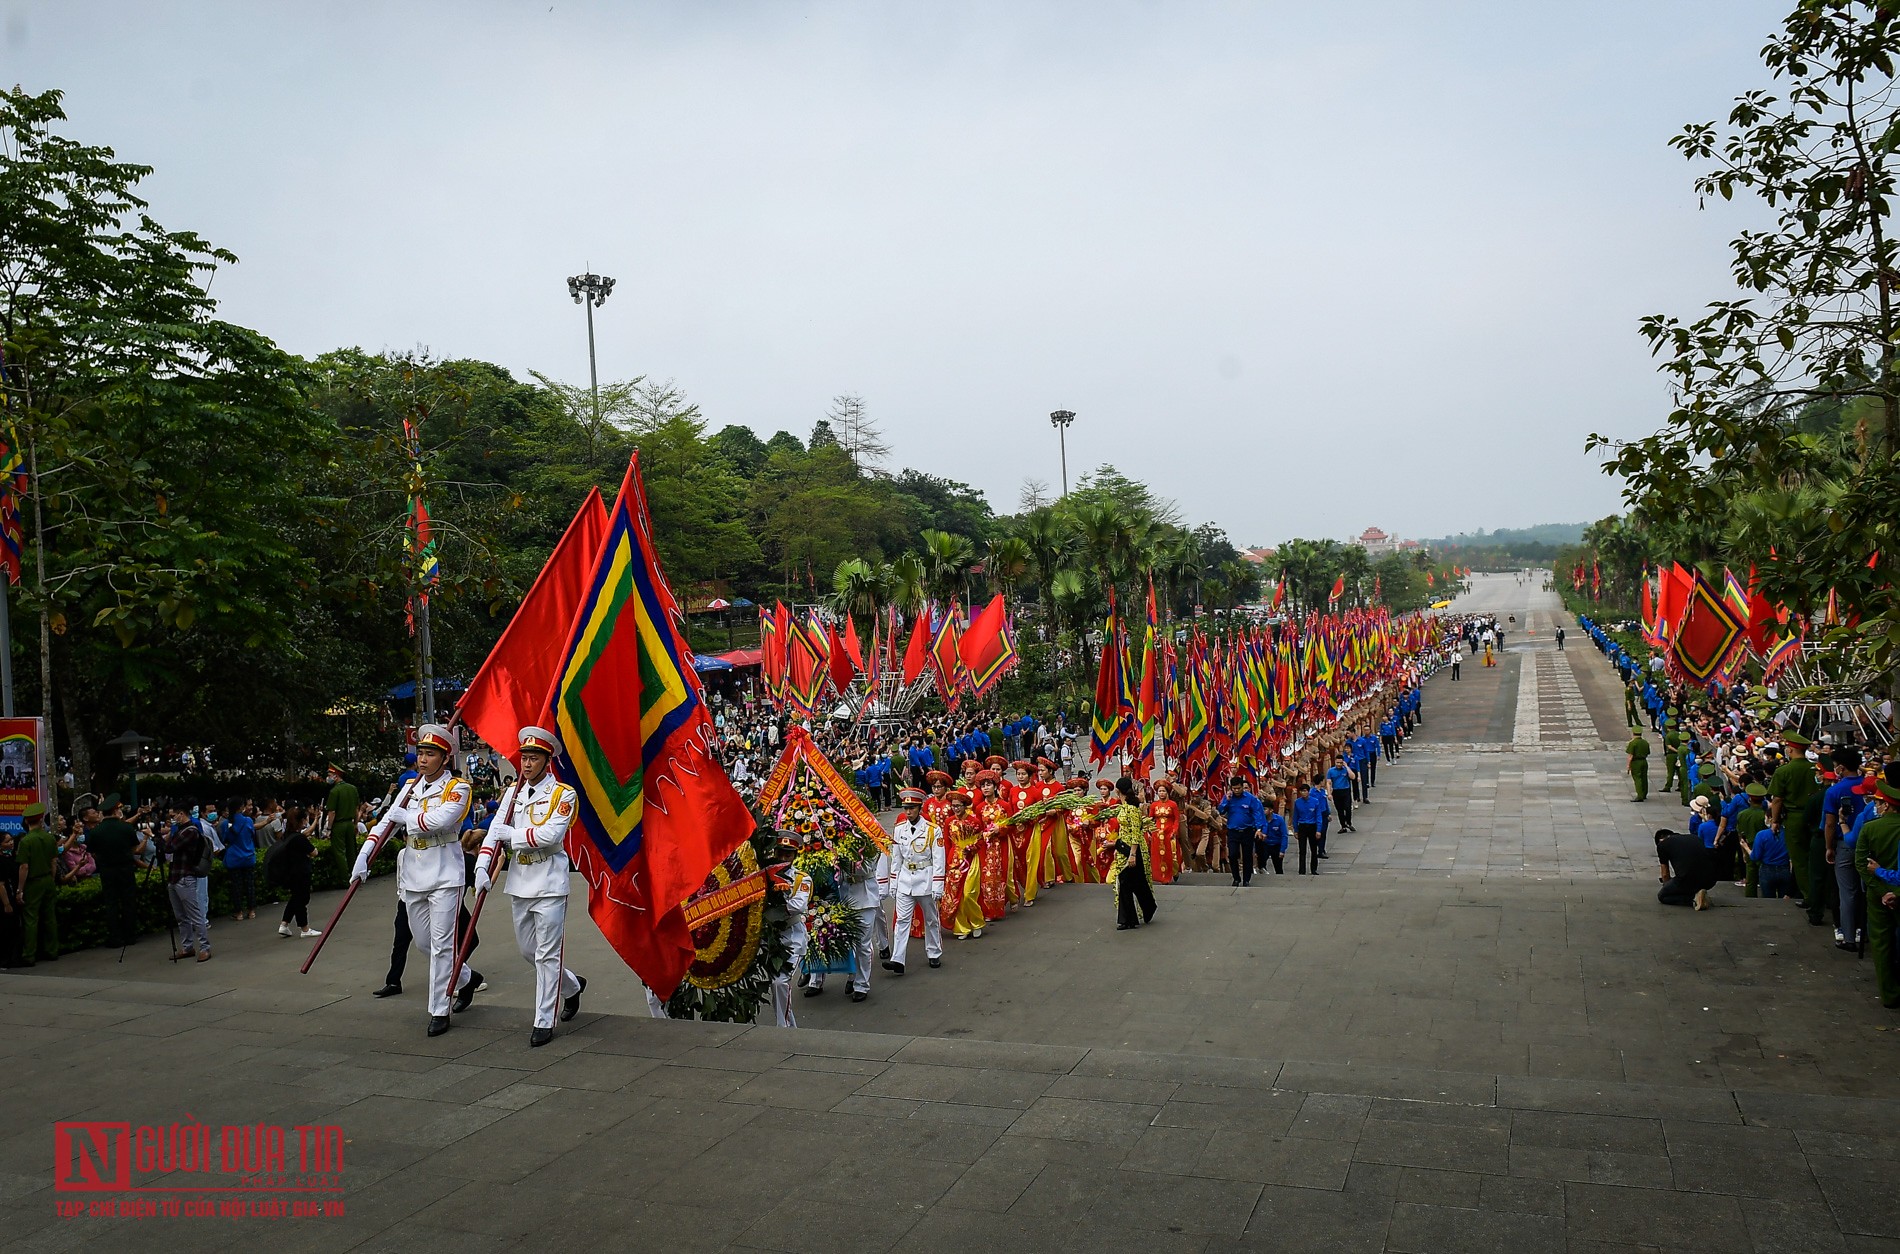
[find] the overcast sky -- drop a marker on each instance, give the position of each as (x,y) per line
(1302,267)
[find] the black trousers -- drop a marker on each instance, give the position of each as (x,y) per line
(1308,835)
(1372,770)
(1240,842)
(1681,892)
(1342,802)
(1359,785)
(1391,744)
(1135,891)
(1264,855)
(116,890)
(297,909)
(399,952)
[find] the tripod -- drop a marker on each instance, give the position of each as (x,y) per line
(153,879)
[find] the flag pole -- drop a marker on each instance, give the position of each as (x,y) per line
(6,649)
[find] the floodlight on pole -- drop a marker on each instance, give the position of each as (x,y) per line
(1060,420)
(591,290)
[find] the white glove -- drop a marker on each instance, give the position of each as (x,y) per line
(499,833)
(359,874)
(483,881)
(397,817)
(519,839)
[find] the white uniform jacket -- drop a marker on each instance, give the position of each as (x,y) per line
(431,830)
(862,887)
(916,859)
(536,832)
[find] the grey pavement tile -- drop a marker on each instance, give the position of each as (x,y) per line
(1541,1162)
(819,1042)
(1275,1160)
(1525,1196)
(988,1187)
(1484,1150)
(1272,1115)
(1433,1229)
(676,1081)
(1698,1221)
(1330,1116)
(1135,1065)
(1117,1089)
(1071,1119)
(1171,1151)
(1409,1083)
(797,1090)
(1867,1207)
(1131,1199)
(1637,1101)
(1302,1220)
(1755,1172)
(1610,1133)
(1004,1056)
(1785,1228)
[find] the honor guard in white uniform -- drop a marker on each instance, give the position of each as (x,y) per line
(431,872)
(861,888)
(533,822)
(797,904)
(916,879)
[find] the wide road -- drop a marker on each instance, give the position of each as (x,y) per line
(1476,1030)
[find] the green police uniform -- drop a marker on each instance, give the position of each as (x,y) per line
(39,853)
(1632,705)
(343,802)
(1673,774)
(1792,784)
(1880,841)
(1638,749)
(1748,825)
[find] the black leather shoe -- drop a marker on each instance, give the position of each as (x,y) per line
(571,1006)
(438,1024)
(466,997)
(813,990)
(885,952)
(540,1037)
(388,990)
(895,968)
(1124,927)
(936,962)
(858,994)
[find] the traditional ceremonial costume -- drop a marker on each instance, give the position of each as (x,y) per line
(961,909)
(534,825)
(1165,811)
(917,881)
(1079,828)
(994,852)
(431,872)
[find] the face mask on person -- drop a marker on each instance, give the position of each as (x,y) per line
(1813,756)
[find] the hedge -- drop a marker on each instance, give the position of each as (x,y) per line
(82,918)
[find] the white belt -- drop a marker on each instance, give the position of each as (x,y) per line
(528,857)
(417,843)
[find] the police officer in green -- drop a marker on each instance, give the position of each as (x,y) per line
(1878,850)
(1638,750)
(1790,788)
(1674,774)
(38,855)
(1748,825)
(1632,705)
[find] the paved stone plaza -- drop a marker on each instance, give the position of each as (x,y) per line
(1476,1031)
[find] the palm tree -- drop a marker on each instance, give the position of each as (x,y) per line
(907,583)
(859,588)
(1007,563)
(947,560)
(1048,539)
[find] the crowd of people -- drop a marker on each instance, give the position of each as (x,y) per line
(1770,810)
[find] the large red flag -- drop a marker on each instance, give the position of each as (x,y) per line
(838,662)
(918,652)
(655,812)
(851,647)
(510,691)
(943,654)
(988,649)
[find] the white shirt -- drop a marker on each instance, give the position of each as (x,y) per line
(866,892)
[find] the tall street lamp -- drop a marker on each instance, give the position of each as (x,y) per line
(590,290)
(129,744)
(1060,420)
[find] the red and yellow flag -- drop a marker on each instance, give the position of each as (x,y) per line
(655,812)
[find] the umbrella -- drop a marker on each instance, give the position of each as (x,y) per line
(719,603)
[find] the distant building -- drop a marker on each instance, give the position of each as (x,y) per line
(1258,556)
(1376,543)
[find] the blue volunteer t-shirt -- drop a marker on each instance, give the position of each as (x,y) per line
(1769,850)
(1841,800)
(1340,779)
(1274,832)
